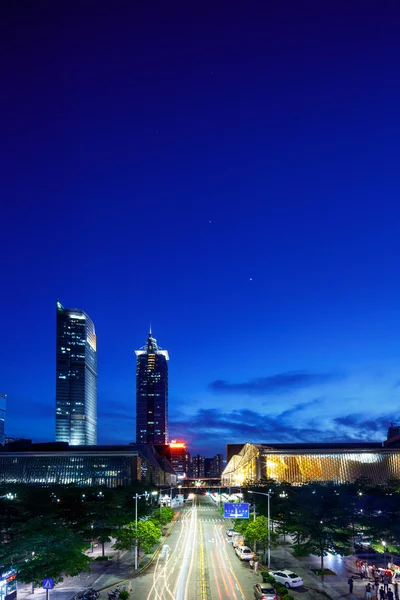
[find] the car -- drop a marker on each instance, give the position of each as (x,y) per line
(230,532)
(288,578)
(264,591)
(244,552)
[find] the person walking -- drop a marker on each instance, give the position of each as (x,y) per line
(390,594)
(376,580)
(256,567)
(381,593)
(351,583)
(386,583)
(368,591)
(396,590)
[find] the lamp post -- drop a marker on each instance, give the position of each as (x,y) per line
(384,552)
(269,523)
(136,541)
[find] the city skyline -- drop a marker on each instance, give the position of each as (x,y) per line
(231,177)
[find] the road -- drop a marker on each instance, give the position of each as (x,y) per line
(197,562)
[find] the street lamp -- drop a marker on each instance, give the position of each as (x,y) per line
(384,552)
(136,541)
(269,523)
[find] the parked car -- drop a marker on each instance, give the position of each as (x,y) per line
(230,532)
(288,578)
(244,553)
(264,591)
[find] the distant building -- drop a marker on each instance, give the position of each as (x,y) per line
(198,467)
(151,393)
(57,463)
(76,378)
(216,466)
(180,458)
(3,399)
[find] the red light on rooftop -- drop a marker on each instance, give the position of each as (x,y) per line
(177,445)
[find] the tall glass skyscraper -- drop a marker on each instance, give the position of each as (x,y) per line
(76,378)
(151,393)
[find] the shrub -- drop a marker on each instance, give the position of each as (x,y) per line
(124,595)
(102,558)
(265,575)
(289,597)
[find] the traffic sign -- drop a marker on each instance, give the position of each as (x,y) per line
(236,511)
(47,584)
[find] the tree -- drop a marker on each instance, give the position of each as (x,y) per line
(257,532)
(40,548)
(163,515)
(145,535)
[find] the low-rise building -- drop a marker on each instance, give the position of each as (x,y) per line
(57,463)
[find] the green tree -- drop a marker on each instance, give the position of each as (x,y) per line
(41,548)
(145,535)
(163,515)
(257,532)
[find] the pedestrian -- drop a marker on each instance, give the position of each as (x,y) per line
(368,590)
(251,563)
(351,583)
(376,579)
(386,583)
(256,567)
(390,594)
(381,593)
(396,590)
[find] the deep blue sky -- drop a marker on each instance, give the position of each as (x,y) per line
(229,172)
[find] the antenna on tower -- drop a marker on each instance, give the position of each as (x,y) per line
(150,330)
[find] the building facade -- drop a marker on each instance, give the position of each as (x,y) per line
(198,467)
(3,399)
(302,463)
(57,464)
(151,393)
(213,467)
(76,378)
(180,459)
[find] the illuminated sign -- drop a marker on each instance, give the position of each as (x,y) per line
(177,445)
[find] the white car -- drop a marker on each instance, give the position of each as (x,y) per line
(288,578)
(244,553)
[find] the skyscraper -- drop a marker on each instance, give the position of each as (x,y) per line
(180,458)
(3,398)
(76,378)
(151,393)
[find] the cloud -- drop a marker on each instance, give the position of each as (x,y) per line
(359,422)
(274,384)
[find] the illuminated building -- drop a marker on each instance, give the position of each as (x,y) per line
(3,398)
(300,463)
(151,393)
(180,459)
(57,463)
(76,378)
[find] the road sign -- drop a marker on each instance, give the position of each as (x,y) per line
(236,511)
(47,584)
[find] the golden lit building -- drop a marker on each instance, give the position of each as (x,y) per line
(301,463)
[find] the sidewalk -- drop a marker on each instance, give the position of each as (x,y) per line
(334,585)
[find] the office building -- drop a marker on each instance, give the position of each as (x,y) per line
(3,399)
(57,463)
(151,393)
(180,459)
(76,378)
(198,467)
(213,467)
(249,464)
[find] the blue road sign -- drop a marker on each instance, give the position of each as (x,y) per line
(236,511)
(47,584)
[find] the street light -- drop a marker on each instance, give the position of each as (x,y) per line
(269,523)
(136,541)
(384,552)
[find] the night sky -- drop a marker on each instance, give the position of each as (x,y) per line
(227,171)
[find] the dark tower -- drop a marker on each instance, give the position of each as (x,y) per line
(76,378)
(151,393)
